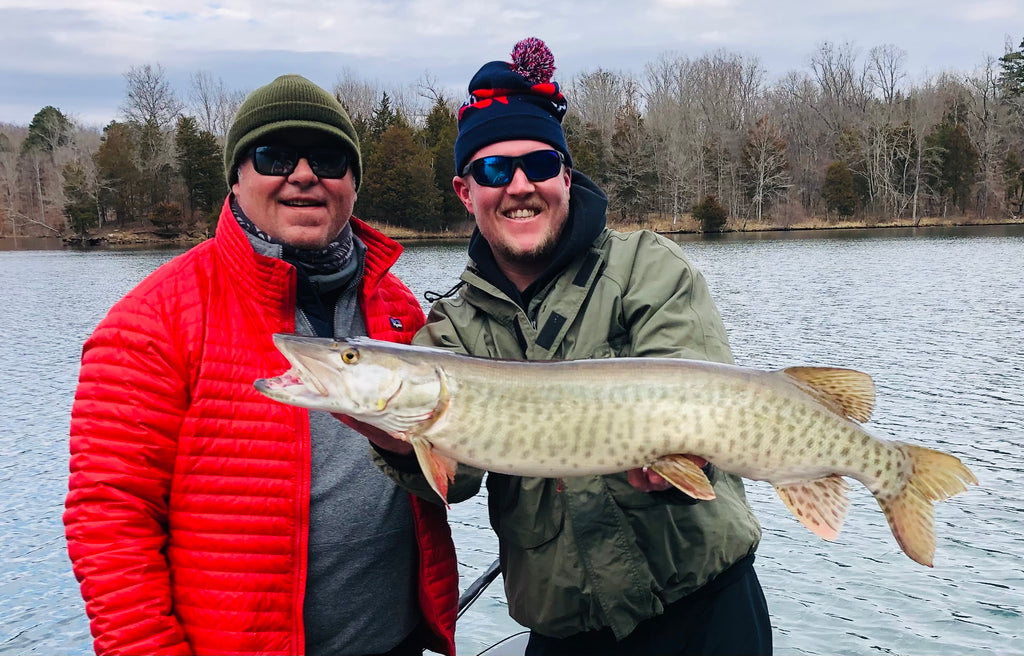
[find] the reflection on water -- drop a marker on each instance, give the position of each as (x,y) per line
(934,318)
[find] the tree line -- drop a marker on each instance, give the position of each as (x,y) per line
(706,137)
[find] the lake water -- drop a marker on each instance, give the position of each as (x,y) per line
(934,315)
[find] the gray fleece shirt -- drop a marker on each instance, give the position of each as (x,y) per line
(360,577)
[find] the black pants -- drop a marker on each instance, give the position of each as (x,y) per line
(727,617)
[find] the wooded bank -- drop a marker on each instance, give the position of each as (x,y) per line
(689,144)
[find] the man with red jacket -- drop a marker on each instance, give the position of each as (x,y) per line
(203,517)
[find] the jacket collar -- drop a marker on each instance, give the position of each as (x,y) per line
(272,280)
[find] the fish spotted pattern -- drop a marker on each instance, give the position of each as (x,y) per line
(798,428)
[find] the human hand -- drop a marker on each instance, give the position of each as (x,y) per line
(376,435)
(646,480)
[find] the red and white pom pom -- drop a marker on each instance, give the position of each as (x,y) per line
(532,59)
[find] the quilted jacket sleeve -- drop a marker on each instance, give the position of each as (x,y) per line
(131,397)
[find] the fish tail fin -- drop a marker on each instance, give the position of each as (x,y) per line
(934,476)
(438,469)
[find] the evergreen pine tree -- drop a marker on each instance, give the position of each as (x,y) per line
(438,137)
(200,167)
(398,188)
(838,190)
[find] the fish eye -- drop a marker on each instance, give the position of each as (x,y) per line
(350,356)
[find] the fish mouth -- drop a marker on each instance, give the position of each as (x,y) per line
(290,387)
(301,384)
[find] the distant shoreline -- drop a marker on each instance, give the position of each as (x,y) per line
(142,238)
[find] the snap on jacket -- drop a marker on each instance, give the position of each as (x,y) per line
(187,513)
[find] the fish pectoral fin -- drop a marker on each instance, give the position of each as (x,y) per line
(849,392)
(438,469)
(685,474)
(820,505)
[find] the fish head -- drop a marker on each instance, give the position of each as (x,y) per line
(361,378)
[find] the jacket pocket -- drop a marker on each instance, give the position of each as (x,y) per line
(528,512)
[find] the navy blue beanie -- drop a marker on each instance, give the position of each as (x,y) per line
(509,101)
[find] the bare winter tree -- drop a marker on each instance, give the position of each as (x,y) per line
(886,72)
(598,97)
(810,141)
(10,189)
(152,109)
(765,165)
(212,103)
(924,109)
(889,163)
(986,118)
(674,125)
(727,87)
(845,85)
(361,97)
(150,98)
(429,91)
(886,139)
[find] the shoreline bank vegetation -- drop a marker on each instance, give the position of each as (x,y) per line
(702,144)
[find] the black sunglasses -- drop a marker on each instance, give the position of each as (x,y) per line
(498,170)
(325,161)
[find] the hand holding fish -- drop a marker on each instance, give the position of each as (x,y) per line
(798,428)
(646,479)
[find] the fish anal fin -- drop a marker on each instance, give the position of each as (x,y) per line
(438,469)
(849,392)
(685,474)
(820,505)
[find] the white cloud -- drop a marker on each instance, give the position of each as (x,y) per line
(689,4)
(50,42)
(989,11)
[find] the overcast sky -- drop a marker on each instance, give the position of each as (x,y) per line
(73,53)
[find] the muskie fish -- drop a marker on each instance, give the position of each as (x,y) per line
(798,428)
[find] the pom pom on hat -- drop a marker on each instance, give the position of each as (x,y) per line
(532,59)
(513,101)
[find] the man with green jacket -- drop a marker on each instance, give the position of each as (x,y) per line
(619,564)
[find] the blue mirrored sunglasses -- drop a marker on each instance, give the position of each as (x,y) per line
(498,170)
(325,161)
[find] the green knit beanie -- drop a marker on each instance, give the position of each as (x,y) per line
(289,102)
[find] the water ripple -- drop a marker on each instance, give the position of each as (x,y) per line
(936,322)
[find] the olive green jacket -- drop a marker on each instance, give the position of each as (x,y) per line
(579,554)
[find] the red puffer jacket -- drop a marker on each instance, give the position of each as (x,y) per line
(187,514)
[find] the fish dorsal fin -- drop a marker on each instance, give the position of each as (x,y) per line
(820,505)
(849,392)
